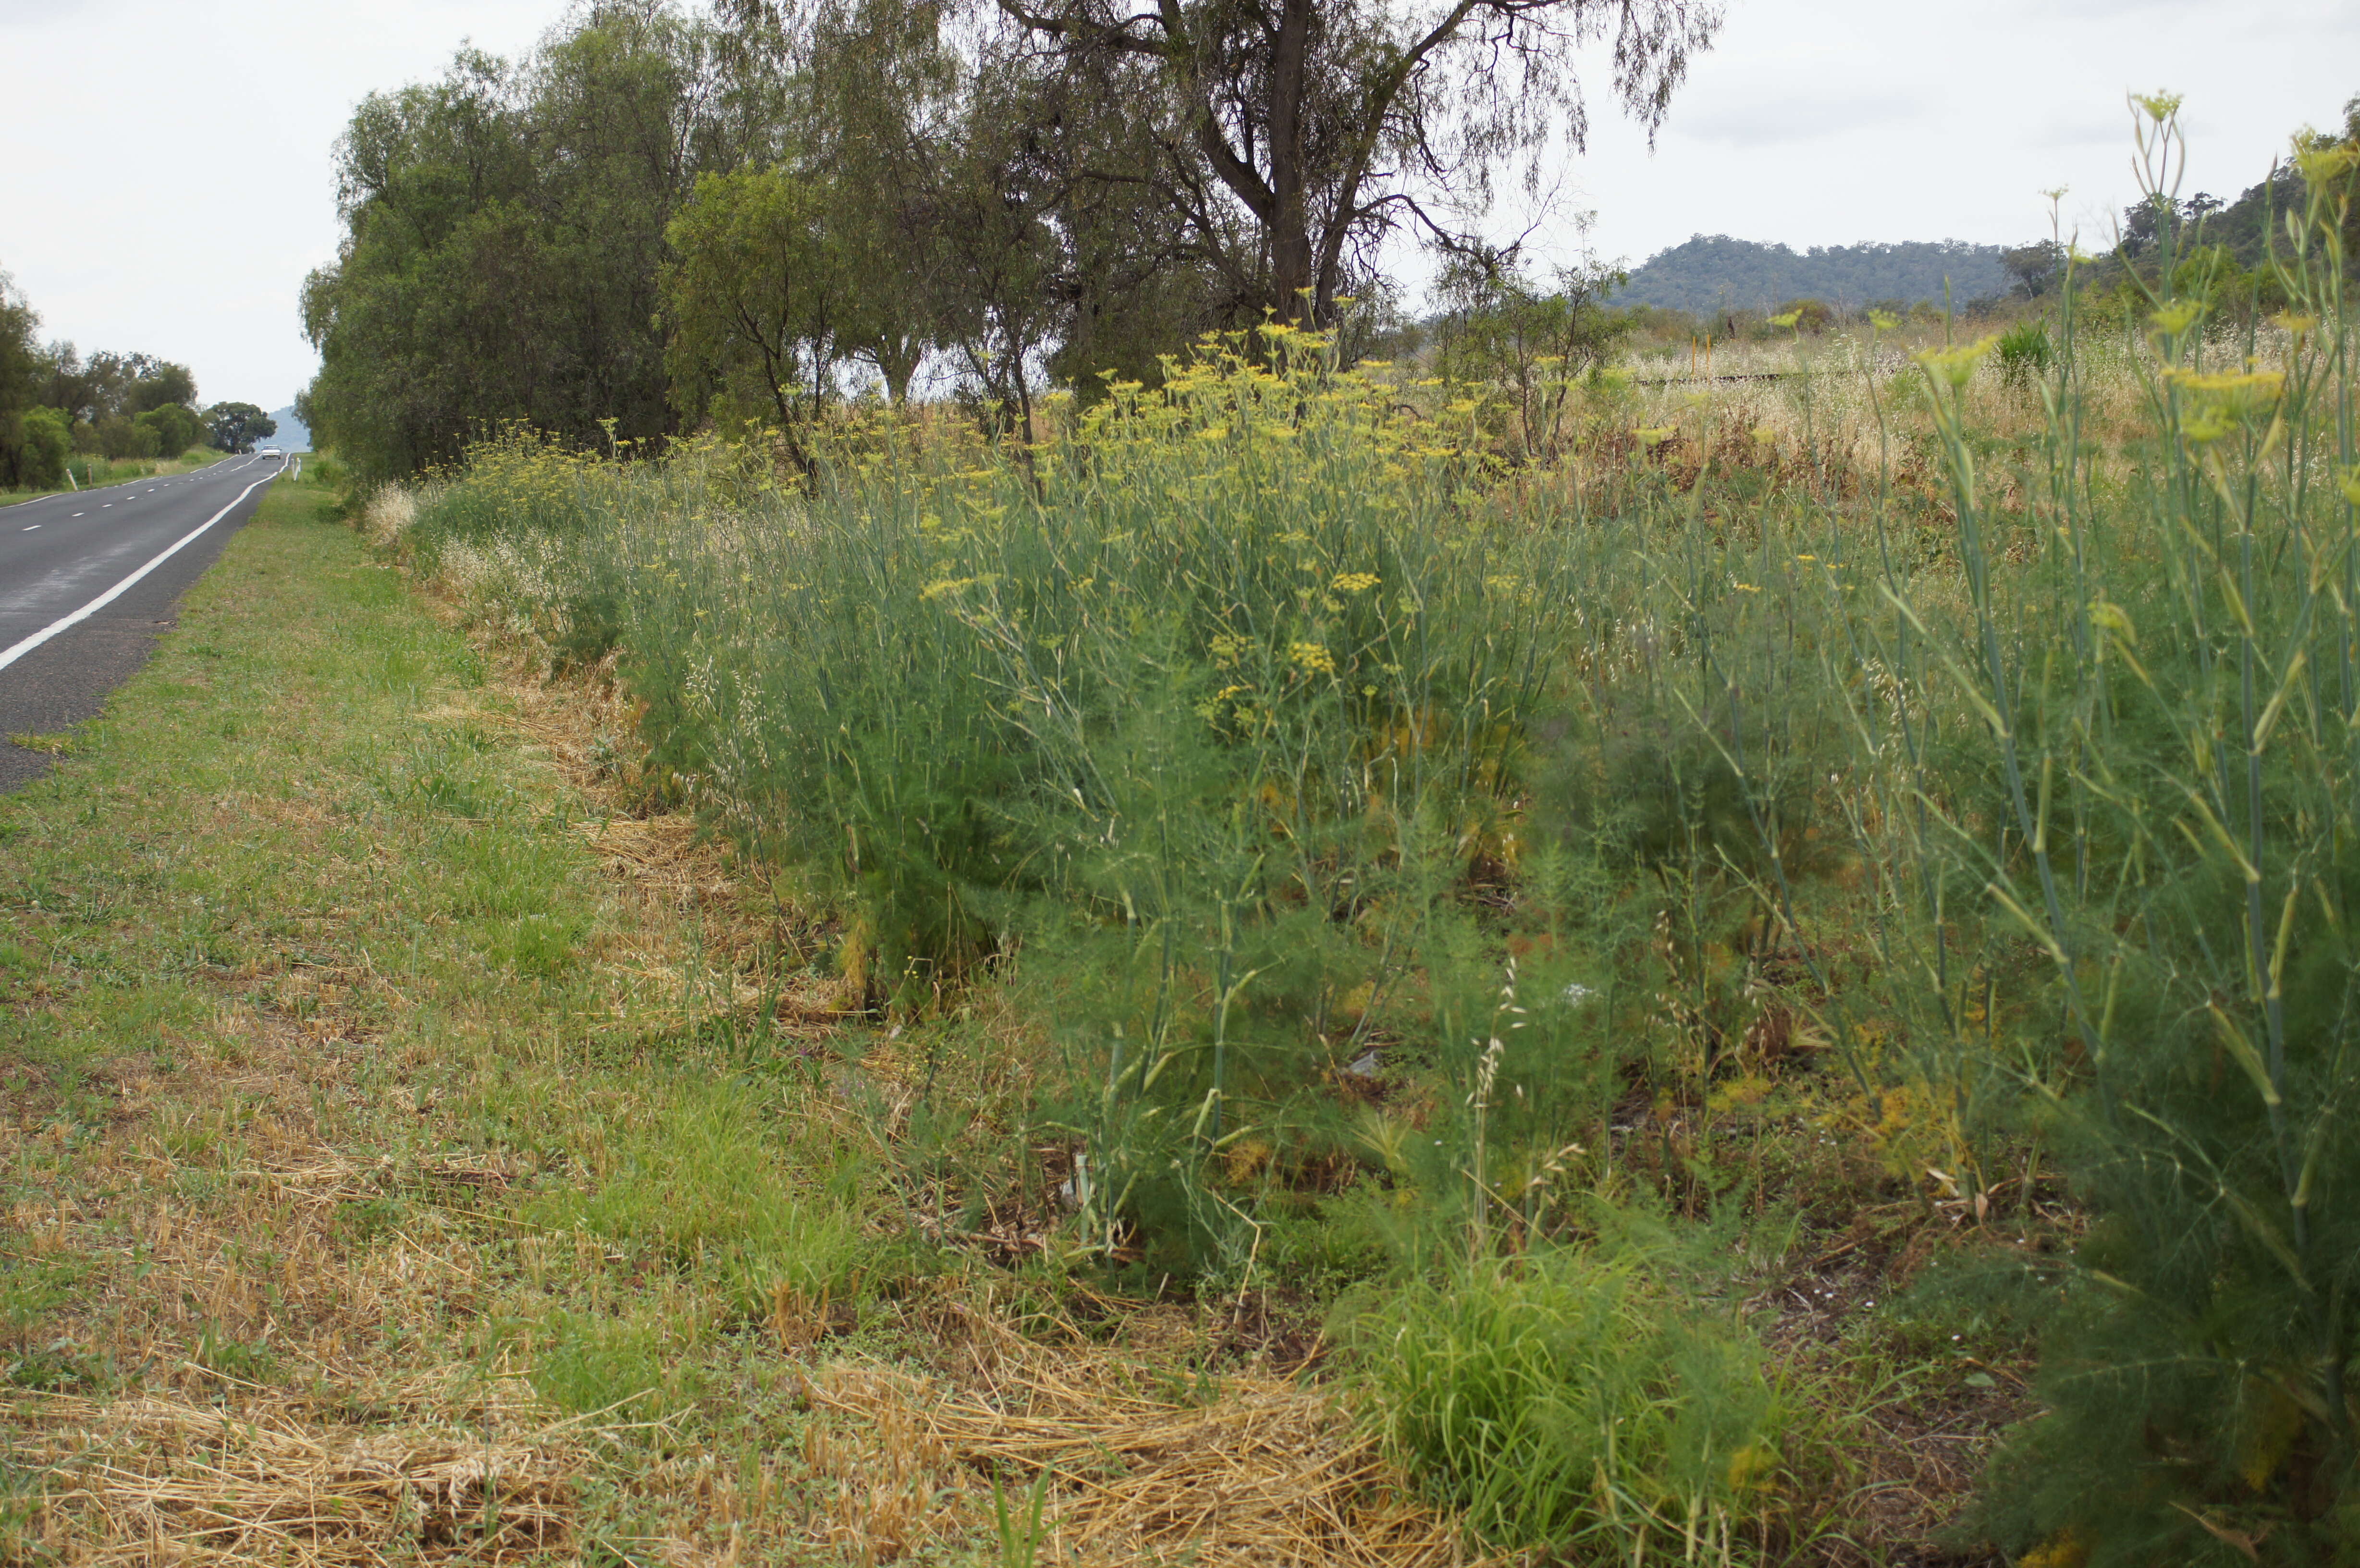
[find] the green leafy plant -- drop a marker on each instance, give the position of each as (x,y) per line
(1560,1405)
(1019,1530)
(2024,352)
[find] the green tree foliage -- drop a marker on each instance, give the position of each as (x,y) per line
(1006,283)
(756,298)
(45,445)
(236,427)
(2037,267)
(653,221)
(175,428)
(51,400)
(878,98)
(1532,340)
(19,383)
(980,214)
(505,234)
(111,385)
(923,199)
(159,385)
(1293,138)
(87,390)
(117,437)
(1282,143)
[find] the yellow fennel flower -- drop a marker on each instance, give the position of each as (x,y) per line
(2216,404)
(1956,366)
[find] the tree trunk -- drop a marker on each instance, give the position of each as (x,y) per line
(896,362)
(1293,284)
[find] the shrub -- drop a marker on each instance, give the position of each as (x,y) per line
(2024,352)
(1218,710)
(119,436)
(46,446)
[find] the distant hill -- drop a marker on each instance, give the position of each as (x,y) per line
(1714,272)
(294,435)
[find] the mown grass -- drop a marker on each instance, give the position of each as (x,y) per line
(315,983)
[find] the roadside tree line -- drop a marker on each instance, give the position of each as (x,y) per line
(57,404)
(661,220)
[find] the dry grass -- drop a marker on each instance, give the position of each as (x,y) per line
(388,512)
(1847,407)
(152,1479)
(1141,1465)
(204,1212)
(681,904)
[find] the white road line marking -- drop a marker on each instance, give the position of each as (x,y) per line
(10,656)
(78,514)
(29,530)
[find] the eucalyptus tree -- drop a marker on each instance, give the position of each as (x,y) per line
(1287,138)
(1333,123)
(1013,220)
(236,427)
(879,91)
(835,247)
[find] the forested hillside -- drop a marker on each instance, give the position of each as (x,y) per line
(1715,272)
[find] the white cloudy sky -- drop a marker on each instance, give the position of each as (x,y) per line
(166,183)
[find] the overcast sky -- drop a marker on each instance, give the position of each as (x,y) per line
(166,179)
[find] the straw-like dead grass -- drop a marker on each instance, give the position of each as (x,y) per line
(155,1479)
(1141,1465)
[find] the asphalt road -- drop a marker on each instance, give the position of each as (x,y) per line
(87,585)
